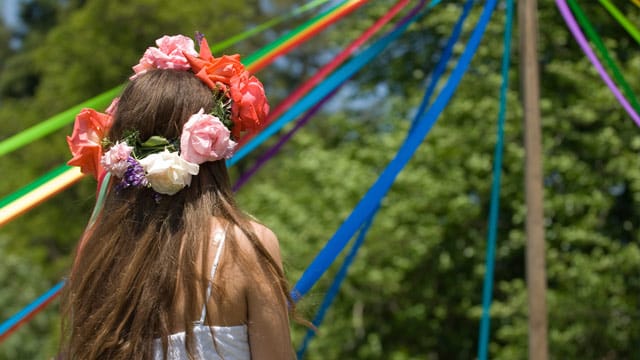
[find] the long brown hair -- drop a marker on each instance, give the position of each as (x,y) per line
(121,294)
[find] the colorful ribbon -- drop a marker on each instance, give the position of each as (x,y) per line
(55,185)
(314,80)
(272,151)
(34,193)
(334,63)
(101,101)
(265,26)
(602,49)
(584,44)
(327,86)
(268,54)
(7,327)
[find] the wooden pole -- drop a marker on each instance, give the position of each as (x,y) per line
(535,248)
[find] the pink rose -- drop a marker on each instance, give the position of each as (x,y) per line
(170,54)
(85,143)
(115,160)
(205,138)
(250,106)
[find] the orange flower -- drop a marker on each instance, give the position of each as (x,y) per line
(89,129)
(215,72)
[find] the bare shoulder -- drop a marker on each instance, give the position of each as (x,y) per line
(266,237)
(267,313)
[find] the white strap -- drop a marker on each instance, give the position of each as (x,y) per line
(218,238)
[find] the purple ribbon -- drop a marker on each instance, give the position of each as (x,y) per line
(584,44)
(275,148)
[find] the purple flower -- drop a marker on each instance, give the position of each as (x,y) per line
(133,176)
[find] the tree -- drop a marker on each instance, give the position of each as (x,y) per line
(414,291)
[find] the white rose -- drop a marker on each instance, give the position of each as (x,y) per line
(167,172)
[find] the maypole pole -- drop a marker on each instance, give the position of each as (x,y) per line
(535,245)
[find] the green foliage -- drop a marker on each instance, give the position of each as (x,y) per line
(414,291)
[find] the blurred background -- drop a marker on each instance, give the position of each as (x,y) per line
(414,290)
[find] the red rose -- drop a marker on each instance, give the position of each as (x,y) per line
(249,107)
(89,129)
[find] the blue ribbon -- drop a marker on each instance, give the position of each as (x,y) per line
(487,289)
(24,313)
(367,204)
(444,60)
(335,286)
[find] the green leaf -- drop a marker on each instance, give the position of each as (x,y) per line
(155,141)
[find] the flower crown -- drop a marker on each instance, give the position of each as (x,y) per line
(167,165)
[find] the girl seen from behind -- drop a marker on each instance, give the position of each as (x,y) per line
(171,268)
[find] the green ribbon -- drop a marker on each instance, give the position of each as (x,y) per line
(262,27)
(33,185)
(592,34)
(102,195)
(56,122)
(626,24)
(265,50)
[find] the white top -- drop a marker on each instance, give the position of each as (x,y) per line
(232,342)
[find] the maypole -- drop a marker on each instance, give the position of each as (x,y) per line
(535,248)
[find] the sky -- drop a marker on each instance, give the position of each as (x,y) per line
(9,11)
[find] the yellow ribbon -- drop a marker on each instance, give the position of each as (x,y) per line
(38,195)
